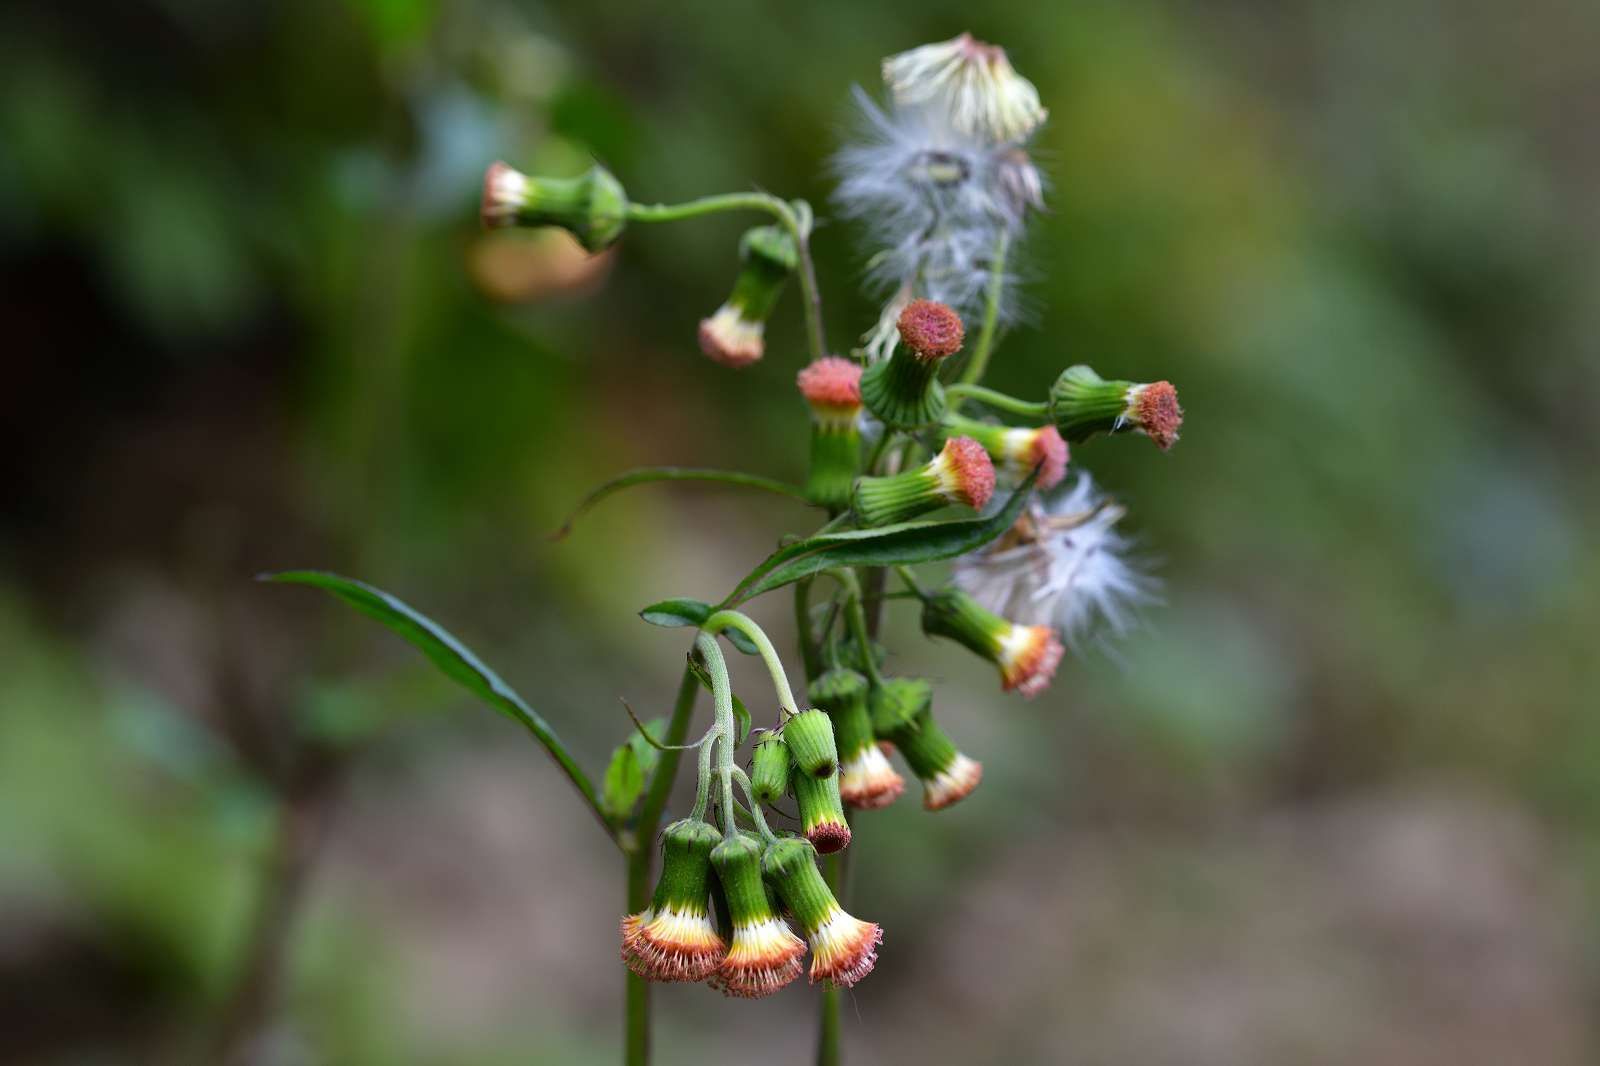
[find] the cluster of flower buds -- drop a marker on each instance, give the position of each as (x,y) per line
(592,207)
(1082,403)
(734,335)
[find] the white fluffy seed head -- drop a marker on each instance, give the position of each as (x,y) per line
(1064,564)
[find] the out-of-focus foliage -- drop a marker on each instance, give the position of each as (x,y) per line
(250,324)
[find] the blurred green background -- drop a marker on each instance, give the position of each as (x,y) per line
(1336,802)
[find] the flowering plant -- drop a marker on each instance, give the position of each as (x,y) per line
(907,452)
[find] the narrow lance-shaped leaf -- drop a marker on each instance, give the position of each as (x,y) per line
(685,612)
(908,542)
(453,659)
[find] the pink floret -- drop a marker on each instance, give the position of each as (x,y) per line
(971,471)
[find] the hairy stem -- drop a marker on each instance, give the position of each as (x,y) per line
(791,220)
(746,625)
(991,312)
(649,474)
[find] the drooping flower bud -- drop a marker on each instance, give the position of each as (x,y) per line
(946,775)
(734,334)
(844,949)
(1016,449)
(592,207)
(673,939)
(865,777)
(769,769)
(961,473)
(809,735)
(897,703)
(971,83)
(821,812)
(764,955)
(1082,403)
(1027,656)
(903,390)
(832,388)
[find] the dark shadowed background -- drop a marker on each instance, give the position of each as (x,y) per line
(1336,802)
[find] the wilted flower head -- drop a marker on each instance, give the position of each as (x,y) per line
(970,84)
(1063,563)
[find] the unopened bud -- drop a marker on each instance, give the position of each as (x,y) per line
(962,473)
(1082,403)
(769,769)
(592,207)
(809,735)
(821,812)
(1027,656)
(735,334)
(1018,450)
(832,389)
(903,390)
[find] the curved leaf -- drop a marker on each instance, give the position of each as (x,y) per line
(908,542)
(646,474)
(687,612)
(452,658)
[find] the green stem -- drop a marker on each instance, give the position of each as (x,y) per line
(810,657)
(746,625)
(911,581)
(1026,408)
(799,228)
(639,849)
(835,870)
(991,312)
(646,475)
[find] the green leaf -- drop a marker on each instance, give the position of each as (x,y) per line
(647,474)
(685,612)
(908,542)
(451,657)
(624,780)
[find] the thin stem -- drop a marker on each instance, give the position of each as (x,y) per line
(810,657)
(910,579)
(702,785)
(835,870)
(755,808)
(856,618)
(991,312)
(648,474)
(746,625)
(799,228)
(1026,408)
(878,450)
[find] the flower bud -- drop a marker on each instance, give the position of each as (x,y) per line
(592,207)
(865,777)
(903,390)
(843,949)
(1082,403)
(734,334)
(1016,449)
(821,812)
(809,735)
(832,389)
(763,955)
(945,773)
(769,769)
(673,939)
(896,703)
(1027,656)
(961,473)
